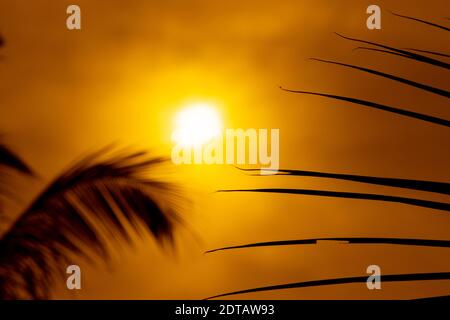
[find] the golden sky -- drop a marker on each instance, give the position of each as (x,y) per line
(134,64)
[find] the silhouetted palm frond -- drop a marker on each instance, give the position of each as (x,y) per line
(422,21)
(419,55)
(9,160)
(344,240)
(415,84)
(374,105)
(407,56)
(411,55)
(353,195)
(422,185)
(328,282)
(383,51)
(97,198)
(441,54)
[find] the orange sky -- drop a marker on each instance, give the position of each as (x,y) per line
(123,77)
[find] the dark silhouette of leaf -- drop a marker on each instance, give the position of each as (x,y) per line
(326,282)
(353,195)
(384,51)
(430,52)
(97,198)
(418,85)
(422,21)
(430,186)
(407,56)
(412,55)
(374,105)
(9,160)
(399,54)
(434,298)
(347,240)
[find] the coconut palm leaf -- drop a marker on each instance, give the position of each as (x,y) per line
(430,52)
(384,51)
(399,54)
(353,195)
(389,52)
(374,105)
(422,21)
(98,197)
(421,185)
(9,160)
(344,240)
(415,84)
(327,282)
(415,56)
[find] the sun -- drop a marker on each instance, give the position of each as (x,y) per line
(196,124)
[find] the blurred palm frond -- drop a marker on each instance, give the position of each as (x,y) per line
(110,194)
(9,160)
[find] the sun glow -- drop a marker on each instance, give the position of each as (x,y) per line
(196,124)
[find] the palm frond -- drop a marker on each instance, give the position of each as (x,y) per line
(342,240)
(421,185)
(408,82)
(441,54)
(110,194)
(9,160)
(327,282)
(352,195)
(400,54)
(415,56)
(374,105)
(383,51)
(422,21)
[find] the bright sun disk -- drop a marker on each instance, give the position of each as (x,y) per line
(196,125)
